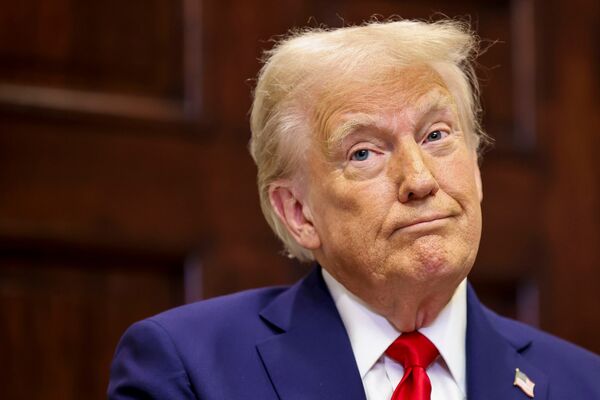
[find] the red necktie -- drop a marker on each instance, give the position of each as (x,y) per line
(415,352)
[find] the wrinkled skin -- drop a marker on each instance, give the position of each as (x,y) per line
(391,208)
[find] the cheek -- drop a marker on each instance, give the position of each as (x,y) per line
(466,192)
(351,213)
(338,197)
(458,178)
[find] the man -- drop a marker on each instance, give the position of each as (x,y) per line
(366,141)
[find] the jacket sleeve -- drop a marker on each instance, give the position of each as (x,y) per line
(147,365)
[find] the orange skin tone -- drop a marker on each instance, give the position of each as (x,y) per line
(391,207)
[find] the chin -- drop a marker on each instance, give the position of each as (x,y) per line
(429,269)
(440,255)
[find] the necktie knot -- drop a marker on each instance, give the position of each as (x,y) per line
(412,350)
(415,352)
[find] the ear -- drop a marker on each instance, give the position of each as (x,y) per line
(294,214)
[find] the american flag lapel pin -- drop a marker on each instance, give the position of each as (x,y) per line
(523,382)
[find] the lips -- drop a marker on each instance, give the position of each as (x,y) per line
(422,221)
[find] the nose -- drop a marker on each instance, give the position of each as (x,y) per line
(415,180)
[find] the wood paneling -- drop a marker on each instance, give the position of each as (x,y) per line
(76,182)
(124,168)
(140,59)
(63,313)
(568,112)
(99,46)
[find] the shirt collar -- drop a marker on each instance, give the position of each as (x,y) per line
(371,334)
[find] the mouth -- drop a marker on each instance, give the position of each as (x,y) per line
(424,223)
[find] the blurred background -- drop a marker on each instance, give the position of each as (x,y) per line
(126,187)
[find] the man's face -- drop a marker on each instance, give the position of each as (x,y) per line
(394,194)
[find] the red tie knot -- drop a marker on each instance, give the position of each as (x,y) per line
(412,350)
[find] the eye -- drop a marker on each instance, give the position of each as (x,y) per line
(435,136)
(360,155)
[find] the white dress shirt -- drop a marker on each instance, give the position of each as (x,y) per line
(371,334)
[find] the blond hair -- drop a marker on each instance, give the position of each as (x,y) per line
(310,64)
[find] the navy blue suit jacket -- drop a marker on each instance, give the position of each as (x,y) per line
(290,343)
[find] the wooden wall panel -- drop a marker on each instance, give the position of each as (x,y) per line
(139,59)
(62,315)
(124,169)
(568,107)
(101,46)
(76,182)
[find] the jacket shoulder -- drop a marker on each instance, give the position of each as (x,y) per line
(192,350)
(519,333)
(566,364)
(234,309)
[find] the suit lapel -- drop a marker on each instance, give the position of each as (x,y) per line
(492,359)
(312,357)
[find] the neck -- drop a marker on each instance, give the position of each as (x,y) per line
(408,307)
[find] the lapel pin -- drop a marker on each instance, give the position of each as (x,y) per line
(524,383)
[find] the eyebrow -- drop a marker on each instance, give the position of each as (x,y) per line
(425,106)
(357,122)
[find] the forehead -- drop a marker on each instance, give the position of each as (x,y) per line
(418,88)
